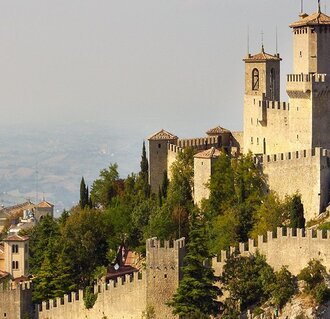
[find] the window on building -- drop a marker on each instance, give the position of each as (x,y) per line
(251,140)
(14,249)
(257,140)
(159,146)
(14,264)
(255,79)
(272,84)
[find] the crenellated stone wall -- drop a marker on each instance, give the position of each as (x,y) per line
(16,300)
(124,298)
(163,268)
(306,172)
(289,247)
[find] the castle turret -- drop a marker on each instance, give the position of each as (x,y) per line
(308,86)
(158,153)
(262,87)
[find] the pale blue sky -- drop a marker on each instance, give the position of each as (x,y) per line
(138,64)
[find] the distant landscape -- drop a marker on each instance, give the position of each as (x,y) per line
(47,161)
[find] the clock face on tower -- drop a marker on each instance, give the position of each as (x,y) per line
(255,79)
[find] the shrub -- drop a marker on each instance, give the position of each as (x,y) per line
(90,298)
(321,293)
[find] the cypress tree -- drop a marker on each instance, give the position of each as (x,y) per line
(165,184)
(83,192)
(144,165)
(297,219)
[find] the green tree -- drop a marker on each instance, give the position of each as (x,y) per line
(224,231)
(182,175)
(144,172)
(272,213)
(221,187)
(247,279)
(165,183)
(296,207)
(283,288)
(196,293)
(314,277)
(105,188)
(83,194)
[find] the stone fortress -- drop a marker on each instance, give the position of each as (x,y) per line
(290,141)
(292,147)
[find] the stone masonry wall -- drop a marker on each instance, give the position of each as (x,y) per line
(124,299)
(15,301)
(291,247)
(306,172)
(164,263)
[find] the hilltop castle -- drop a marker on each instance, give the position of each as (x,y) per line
(290,141)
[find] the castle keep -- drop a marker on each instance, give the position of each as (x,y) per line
(290,140)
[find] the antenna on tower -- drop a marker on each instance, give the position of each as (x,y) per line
(248,40)
(319,6)
(276,40)
(262,40)
(301,6)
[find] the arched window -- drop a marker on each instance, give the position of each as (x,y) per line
(255,79)
(272,84)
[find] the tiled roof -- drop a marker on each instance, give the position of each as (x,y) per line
(16,238)
(313,19)
(217,130)
(44,204)
(162,135)
(262,56)
(210,153)
(3,274)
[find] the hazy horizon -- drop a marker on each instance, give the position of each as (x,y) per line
(110,73)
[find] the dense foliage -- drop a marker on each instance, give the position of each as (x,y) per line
(75,250)
(314,277)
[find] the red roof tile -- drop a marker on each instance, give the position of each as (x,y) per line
(162,135)
(317,18)
(262,56)
(16,238)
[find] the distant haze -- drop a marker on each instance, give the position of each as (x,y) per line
(80,75)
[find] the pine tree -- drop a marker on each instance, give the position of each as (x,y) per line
(196,293)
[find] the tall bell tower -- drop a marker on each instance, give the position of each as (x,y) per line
(262,84)
(308,86)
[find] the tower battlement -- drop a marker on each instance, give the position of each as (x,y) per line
(316,77)
(274,105)
(156,244)
(315,152)
(200,142)
(174,148)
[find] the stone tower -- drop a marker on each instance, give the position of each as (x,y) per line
(158,154)
(203,169)
(16,256)
(262,84)
(163,273)
(308,86)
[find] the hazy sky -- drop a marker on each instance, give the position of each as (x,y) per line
(138,64)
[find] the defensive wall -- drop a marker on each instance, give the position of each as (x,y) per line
(266,125)
(15,300)
(164,271)
(289,247)
(306,172)
(128,297)
(124,298)
(172,152)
